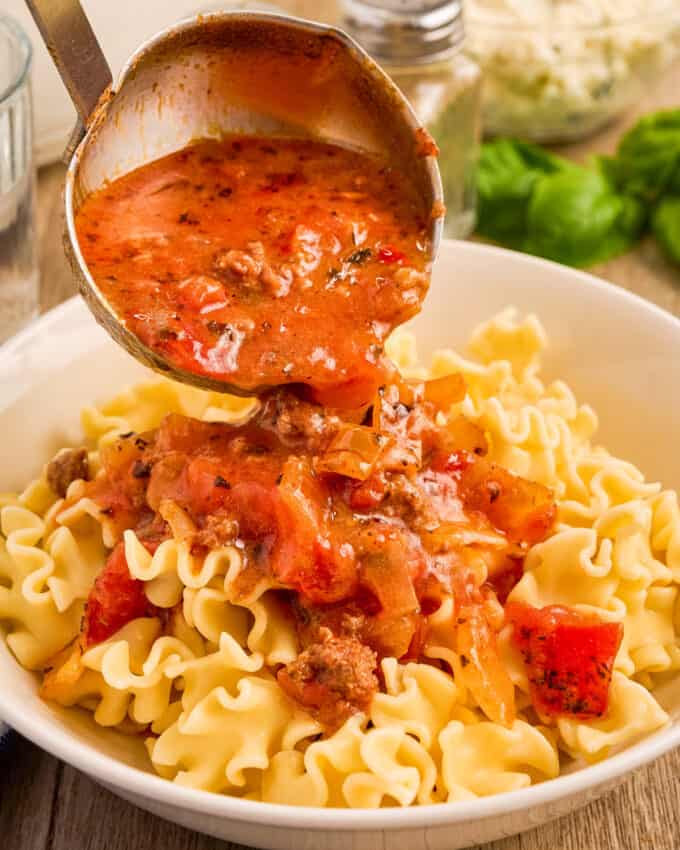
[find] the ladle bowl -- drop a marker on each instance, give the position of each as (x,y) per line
(237,72)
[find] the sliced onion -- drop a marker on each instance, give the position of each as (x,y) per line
(181,524)
(386,574)
(65,671)
(524,510)
(353,452)
(445,391)
(453,535)
(467,436)
(410,392)
(482,669)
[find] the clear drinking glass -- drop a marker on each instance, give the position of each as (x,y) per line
(18,251)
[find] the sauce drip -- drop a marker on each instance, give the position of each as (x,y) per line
(263,262)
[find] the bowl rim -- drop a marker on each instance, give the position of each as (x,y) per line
(133,781)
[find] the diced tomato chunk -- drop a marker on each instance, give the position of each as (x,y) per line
(283,522)
(306,556)
(114,601)
(366,495)
(452,463)
(179,433)
(248,495)
(524,510)
(569,658)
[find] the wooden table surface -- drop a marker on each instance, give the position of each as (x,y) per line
(47,805)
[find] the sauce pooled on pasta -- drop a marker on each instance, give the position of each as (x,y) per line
(365,523)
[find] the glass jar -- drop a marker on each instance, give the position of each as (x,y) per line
(18,254)
(419,43)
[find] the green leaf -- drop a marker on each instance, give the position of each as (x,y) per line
(507,174)
(575,217)
(647,164)
(666,226)
(608,167)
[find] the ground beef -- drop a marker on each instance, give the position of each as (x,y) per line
(299,424)
(333,678)
(217,531)
(66,466)
(251,269)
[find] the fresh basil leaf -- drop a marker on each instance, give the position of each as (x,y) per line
(575,217)
(647,163)
(666,226)
(507,174)
(608,167)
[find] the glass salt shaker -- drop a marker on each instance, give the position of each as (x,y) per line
(18,254)
(419,44)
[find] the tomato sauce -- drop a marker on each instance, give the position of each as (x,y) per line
(364,522)
(115,599)
(262,261)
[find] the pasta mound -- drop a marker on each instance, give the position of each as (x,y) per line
(199,680)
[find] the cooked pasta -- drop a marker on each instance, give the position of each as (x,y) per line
(197,671)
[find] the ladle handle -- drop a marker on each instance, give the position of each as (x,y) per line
(76,52)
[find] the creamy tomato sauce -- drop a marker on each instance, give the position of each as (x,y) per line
(262,261)
(364,524)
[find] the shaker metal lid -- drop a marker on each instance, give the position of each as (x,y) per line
(405,30)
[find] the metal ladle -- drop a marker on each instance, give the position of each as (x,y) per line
(220,73)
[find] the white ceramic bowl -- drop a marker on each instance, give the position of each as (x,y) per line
(619,353)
